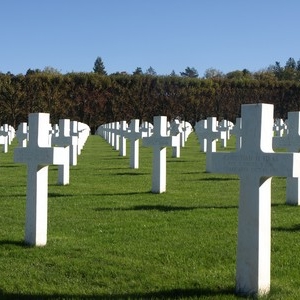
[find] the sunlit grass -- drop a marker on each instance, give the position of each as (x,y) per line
(110,238)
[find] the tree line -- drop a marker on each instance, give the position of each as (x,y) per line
(95,99)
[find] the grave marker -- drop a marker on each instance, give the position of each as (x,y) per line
(186,130)
(83,132)
(11,134)
(63,139)
(291,141)
(22,134)
(117,136)
(200,129)
(211,134)
(4,140)
(122,146)
(255,163)
(237,131)
(133,134)
(38,155)
(279,127)
(74,143)
(176,130)
(224,126)
(146,128)
(112,132)
(159,141)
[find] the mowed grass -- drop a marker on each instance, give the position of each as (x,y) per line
(109,237)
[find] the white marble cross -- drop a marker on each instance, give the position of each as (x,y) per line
(112,132)
(63,139)
(122,146)
(224,126)
(11,134)
(116,136)
(176,130)
(200,130)
(255,163)
(159,140)
(4,134)
(291,141)
(83,131)
(237,131)
(22,134)
(108,133)
(38,155)
(211,134)
(147,128)
(186,130)
(133,134)
(279,127)
(74,143)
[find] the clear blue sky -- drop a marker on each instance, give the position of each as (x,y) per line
(167,35)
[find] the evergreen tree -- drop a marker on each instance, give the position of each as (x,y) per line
(151,71)
(190,72)
(290,64)
(138,71)
(173,73)
(99,66)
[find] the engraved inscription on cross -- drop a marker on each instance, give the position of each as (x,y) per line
(255,163)
(38,155)
(291,141)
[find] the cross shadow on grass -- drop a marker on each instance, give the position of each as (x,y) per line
(166,294)
(13,243)
(9,166)
(294,228)
(57,195)
(129,174)
(120,194)
(163,208)
(218,179)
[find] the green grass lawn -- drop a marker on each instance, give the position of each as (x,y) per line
(110,238)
